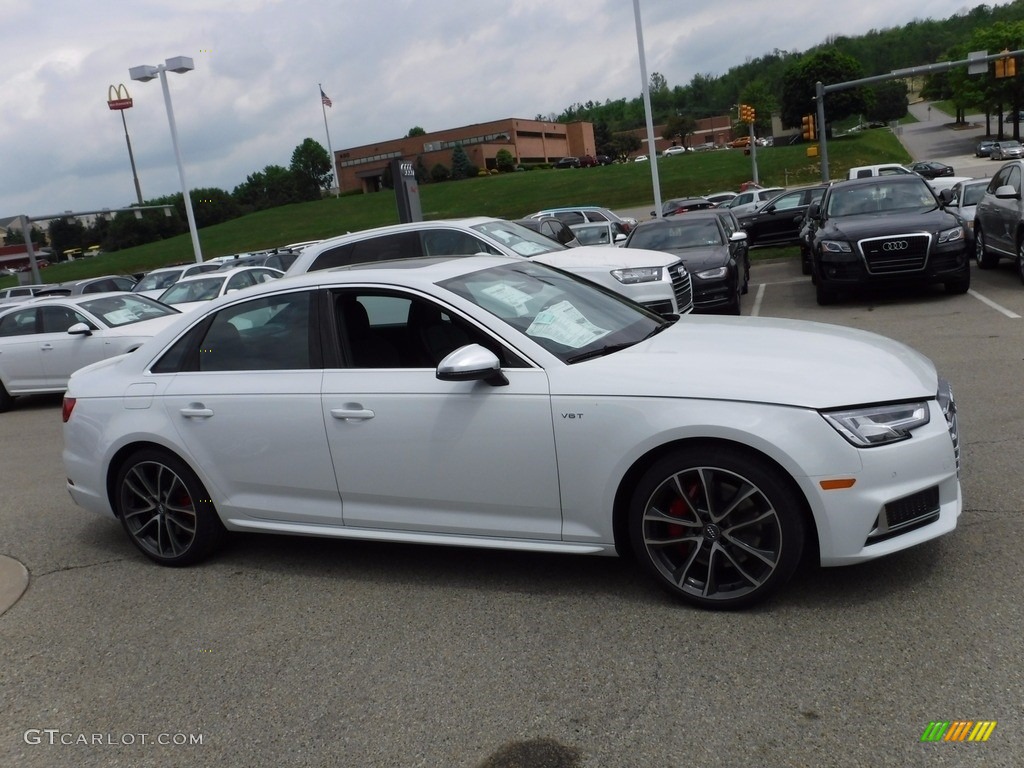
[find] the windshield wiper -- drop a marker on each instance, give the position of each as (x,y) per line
(607,349)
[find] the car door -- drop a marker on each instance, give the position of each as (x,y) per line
(21,358)
(777,221)
(1002,215)
(418,454)
(64,353)
(244,396)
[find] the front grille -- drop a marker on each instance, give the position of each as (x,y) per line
(895,253)
(906,514)
(682,287)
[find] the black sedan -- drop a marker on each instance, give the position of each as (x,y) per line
(713,257)
(931,169)
(885,230)
(778,221)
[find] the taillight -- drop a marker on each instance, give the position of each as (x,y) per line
(66,409)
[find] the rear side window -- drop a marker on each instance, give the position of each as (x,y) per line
(400,245)
(18,323)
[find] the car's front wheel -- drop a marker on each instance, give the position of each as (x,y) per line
(982,257)
(716,526)
(1020,258)
(165,510)
(6,401)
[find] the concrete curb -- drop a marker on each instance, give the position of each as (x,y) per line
(13,582)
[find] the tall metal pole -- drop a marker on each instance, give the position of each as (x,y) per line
(131,158)
(334,164)
(651,153)
(162,69)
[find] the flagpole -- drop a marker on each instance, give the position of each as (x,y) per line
(334,165)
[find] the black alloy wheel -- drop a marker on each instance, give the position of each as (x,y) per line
(982,257)
(717,527)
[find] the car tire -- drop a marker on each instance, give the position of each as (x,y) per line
(982,257)
(6,401)
(165,510)
(805,264)
(1020,259)
(825,296)
(959,286)
(719,527)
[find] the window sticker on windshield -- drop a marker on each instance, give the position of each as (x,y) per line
(565,324)
(509,296)
(526,248)
(121,317)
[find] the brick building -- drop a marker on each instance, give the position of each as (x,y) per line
(529,141)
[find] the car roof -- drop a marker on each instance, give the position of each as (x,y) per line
(867,181)
(224,273)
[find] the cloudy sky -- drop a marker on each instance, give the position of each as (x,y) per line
(387,65)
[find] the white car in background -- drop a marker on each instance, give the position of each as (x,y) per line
(495,402)
(157,281)
(191,292)
(652,278)
(750,200)
(43,341)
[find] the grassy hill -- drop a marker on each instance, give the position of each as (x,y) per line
(510,195)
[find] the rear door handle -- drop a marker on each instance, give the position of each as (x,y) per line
(352,414)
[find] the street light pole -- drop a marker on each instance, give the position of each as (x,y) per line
(144,73)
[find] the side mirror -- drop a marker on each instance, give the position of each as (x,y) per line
(738,237)
(814,211)
(80,329)
(1006,192)
(472,363)
(946,196)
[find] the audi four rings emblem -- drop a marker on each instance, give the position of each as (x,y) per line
(895,245)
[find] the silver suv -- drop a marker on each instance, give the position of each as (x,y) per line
(654,279)
(999,219)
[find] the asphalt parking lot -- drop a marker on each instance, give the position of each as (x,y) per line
(287,651)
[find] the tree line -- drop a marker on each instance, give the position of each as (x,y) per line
(783,81)
(306,177)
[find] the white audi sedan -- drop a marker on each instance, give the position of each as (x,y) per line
(485,401)
(42,341)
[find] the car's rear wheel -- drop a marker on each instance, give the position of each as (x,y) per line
(6,401)
(165,510)
(982,257)
(717,527)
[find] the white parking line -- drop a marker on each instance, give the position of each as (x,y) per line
(996,307)
(756,310)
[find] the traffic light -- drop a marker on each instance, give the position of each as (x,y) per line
(807,127)
(1007,66)
(746,113)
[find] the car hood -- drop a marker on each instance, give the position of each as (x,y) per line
(785,362)
(881,224)
(605,258)
(696,259)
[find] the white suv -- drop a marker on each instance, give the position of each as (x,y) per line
(750,200)
(654,279)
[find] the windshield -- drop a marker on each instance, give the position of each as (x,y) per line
(681,233)
(518,239)
(881,197)
(157,281)
(126,309)
(570,318)
(199,289)
(973,193)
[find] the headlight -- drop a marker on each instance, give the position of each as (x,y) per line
(951,235)
(836,246)
(637,275)
(878,424)
(713,274)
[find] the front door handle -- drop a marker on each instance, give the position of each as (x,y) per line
(352,413)
(196,412)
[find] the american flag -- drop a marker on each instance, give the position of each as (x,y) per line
(323,98)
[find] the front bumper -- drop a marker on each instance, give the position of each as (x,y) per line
(868,265)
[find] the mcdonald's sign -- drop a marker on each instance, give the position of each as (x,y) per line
(118,98)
